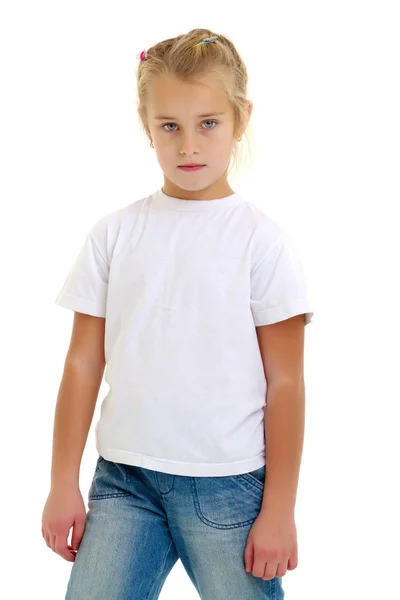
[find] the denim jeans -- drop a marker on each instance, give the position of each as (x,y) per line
(141,521)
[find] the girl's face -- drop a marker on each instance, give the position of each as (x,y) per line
(191,123)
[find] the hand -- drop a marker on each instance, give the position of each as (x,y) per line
(271,546)
(64,509)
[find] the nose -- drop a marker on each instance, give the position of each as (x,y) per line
(189,144)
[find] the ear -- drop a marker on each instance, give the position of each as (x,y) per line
(249,111)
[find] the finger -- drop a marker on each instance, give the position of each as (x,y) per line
(44,535)
(270,569)
(77,533)
(46,538)
(259,565)
(61,548)
(249,556)
(293,560)
(282,568)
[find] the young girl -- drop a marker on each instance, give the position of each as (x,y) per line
(195,300)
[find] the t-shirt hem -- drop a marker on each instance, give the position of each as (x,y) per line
(183,468)
(284,311)
(80,305)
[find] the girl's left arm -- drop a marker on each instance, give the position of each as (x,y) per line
(282,350)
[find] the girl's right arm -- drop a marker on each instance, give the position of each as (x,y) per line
(83,373)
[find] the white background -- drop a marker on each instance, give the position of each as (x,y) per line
(324,135)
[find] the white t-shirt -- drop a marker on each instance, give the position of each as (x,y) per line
(182,285)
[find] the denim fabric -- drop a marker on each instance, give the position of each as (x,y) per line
(140,522)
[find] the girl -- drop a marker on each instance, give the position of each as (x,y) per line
(183,295)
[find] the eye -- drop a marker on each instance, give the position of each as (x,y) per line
(208,121)
(166,125)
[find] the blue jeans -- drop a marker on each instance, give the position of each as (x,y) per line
(141,521)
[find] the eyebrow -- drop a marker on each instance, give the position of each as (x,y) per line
(198,116)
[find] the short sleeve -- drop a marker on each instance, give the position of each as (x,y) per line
(85,288)
(278,285)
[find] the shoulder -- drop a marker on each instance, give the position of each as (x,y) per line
(266,232)
(114,225)
(117,217)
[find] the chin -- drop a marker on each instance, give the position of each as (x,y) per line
(194,186)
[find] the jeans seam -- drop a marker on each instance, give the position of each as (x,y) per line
(100,496)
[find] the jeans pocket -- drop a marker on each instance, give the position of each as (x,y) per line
(110,480)
(229,501)
(256,477)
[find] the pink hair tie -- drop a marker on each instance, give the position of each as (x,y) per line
(141,55)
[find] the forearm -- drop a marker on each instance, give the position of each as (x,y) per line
(284,435)
(74,411)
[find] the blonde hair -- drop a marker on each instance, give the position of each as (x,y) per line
(180,57)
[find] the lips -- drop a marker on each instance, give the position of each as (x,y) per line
(191,167)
